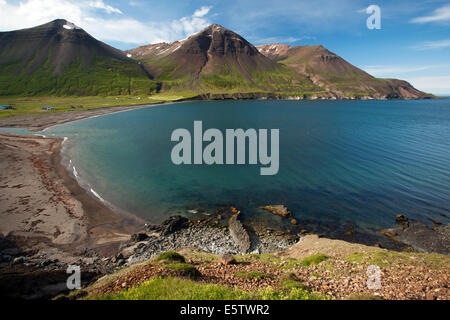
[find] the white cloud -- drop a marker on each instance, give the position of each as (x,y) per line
(99,4)
(381,70)
(439,15)
(281,40)
(135,3)
(35,12)
(436,85)
(90,15)
(203,11)
(430,45)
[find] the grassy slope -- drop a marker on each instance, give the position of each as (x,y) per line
(184,289)
(227,79)
(273,277)
(339,75)
(32,105)
(105,76)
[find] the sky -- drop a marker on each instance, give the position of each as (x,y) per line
(413,42)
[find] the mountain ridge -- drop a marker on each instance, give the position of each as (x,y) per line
(331,72)
(216,60)
(59,58)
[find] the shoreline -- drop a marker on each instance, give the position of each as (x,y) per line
(99,240)
(41,122)
(98,227)
(102,222)
(94,202)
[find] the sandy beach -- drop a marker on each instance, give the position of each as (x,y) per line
(39,200)
(47,221)
(39,122)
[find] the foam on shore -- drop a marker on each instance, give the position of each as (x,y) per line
(97,195)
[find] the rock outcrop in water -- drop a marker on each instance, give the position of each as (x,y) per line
(279,210)
(419,236)
(239,234)
(170,225)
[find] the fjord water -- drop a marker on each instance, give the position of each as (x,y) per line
(341,162)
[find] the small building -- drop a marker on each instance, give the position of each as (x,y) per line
(6,107)
(48,108)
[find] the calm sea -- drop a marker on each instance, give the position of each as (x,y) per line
(341,162)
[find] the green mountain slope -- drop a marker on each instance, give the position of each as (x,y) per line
(334,74)
(59,58)
(217,60)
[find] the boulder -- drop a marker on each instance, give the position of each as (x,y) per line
(278,209)
(138,237)
(19,260)
(227,259)
(170,225)
(421,237)
(401,219)
(239,234)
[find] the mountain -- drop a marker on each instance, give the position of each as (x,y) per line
(332,73)
(60,58)
(217,60)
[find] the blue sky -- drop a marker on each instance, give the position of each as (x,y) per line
(412,44)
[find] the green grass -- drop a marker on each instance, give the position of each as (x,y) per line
(103,76)
(171,256)
(392,258)
(270,259)
(183,289)
(32,105)
(314,259)
(290,281)
(183,270)
(252,275)
(265,257)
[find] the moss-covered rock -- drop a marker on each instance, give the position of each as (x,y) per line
(314,259)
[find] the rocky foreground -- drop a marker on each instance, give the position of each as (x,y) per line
(324,268)
(342,273)
(232,258)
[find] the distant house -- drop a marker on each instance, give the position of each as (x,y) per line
(48,108)
(6,107)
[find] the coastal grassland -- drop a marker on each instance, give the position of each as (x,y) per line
(275,277)
(183,270)
(252,275)
(166,277)
(32,105)
(171,256)
(182,289)
(387,258)
(314,259)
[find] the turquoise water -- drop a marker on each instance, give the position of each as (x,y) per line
(341,162)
